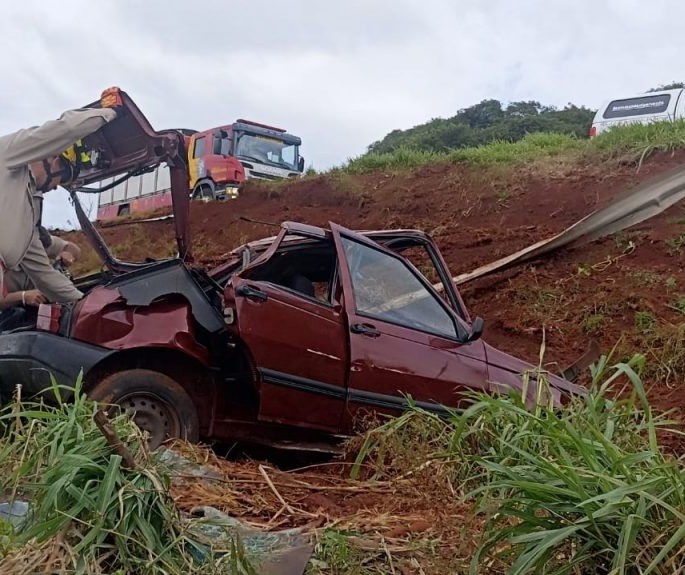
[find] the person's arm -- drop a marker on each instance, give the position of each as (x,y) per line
(69,254)
(55,136)
(65,250)
(74,250)
(56,287)
(55,247)
(29,297)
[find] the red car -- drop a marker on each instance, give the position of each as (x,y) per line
(288,342)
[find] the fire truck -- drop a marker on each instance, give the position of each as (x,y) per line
(220,160)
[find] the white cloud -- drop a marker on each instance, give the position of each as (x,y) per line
(340,75)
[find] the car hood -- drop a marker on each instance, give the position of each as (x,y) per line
(125,147)
(511,369)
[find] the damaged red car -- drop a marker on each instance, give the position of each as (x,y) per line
(288,342)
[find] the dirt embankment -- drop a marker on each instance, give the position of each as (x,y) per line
(628,288)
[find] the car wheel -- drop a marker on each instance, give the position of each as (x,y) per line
(159,405)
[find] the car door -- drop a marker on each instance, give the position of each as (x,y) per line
(403,338)
(297,339)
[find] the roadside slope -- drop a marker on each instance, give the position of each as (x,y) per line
(629,287)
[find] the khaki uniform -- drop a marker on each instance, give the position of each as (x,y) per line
(20,201)
(56,247)
(19,279)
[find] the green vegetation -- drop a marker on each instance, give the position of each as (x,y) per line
(633,142)
(676,244)
(584,489)
(679,304)
(645,277)
(669,86)
(92,510)
(593,323)
(644,321)
(490,121)
(664,345)
(487,122)
(336,554)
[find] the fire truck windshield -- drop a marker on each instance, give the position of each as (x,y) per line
(267,150)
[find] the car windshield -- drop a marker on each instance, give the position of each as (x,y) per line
(266,150)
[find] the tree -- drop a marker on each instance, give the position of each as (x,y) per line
(671,86)
(485,122)
(481,115)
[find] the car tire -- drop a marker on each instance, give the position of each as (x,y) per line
(160,406)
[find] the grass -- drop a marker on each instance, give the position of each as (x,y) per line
(639,141)
(543,305)
(644,321)
(679,304)
(503,198)
(583,489)
(634,142)
(137,245)
(645,277)
(593,323)
(342,183)
(336,554)
(532,147)
(90,512)
(401,159)
(675,245)
(664,345)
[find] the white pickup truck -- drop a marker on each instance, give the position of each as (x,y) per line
(666,105)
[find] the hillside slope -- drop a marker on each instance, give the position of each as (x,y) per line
(629,288)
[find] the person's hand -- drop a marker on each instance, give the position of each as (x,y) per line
(33,297)
(67,258)
(111,98)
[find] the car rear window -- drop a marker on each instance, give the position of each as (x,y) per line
(637,106)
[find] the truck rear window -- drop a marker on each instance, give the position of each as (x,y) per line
(637,106)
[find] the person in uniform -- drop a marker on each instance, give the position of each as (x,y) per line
(32,163)
(59,251)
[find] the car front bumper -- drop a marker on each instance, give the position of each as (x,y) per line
(33,358)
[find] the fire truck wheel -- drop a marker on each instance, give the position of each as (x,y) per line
(204,192)
(159,405)
(207,192)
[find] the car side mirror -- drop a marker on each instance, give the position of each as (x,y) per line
(300,164)
(476,331)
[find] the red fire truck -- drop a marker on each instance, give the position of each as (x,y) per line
(220,160)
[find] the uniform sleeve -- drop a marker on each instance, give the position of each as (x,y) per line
(54,285)
(55,136)
(56,247)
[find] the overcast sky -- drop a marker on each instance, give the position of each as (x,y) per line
(340,75)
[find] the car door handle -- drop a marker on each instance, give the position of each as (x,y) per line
(365,329)
(251,293)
